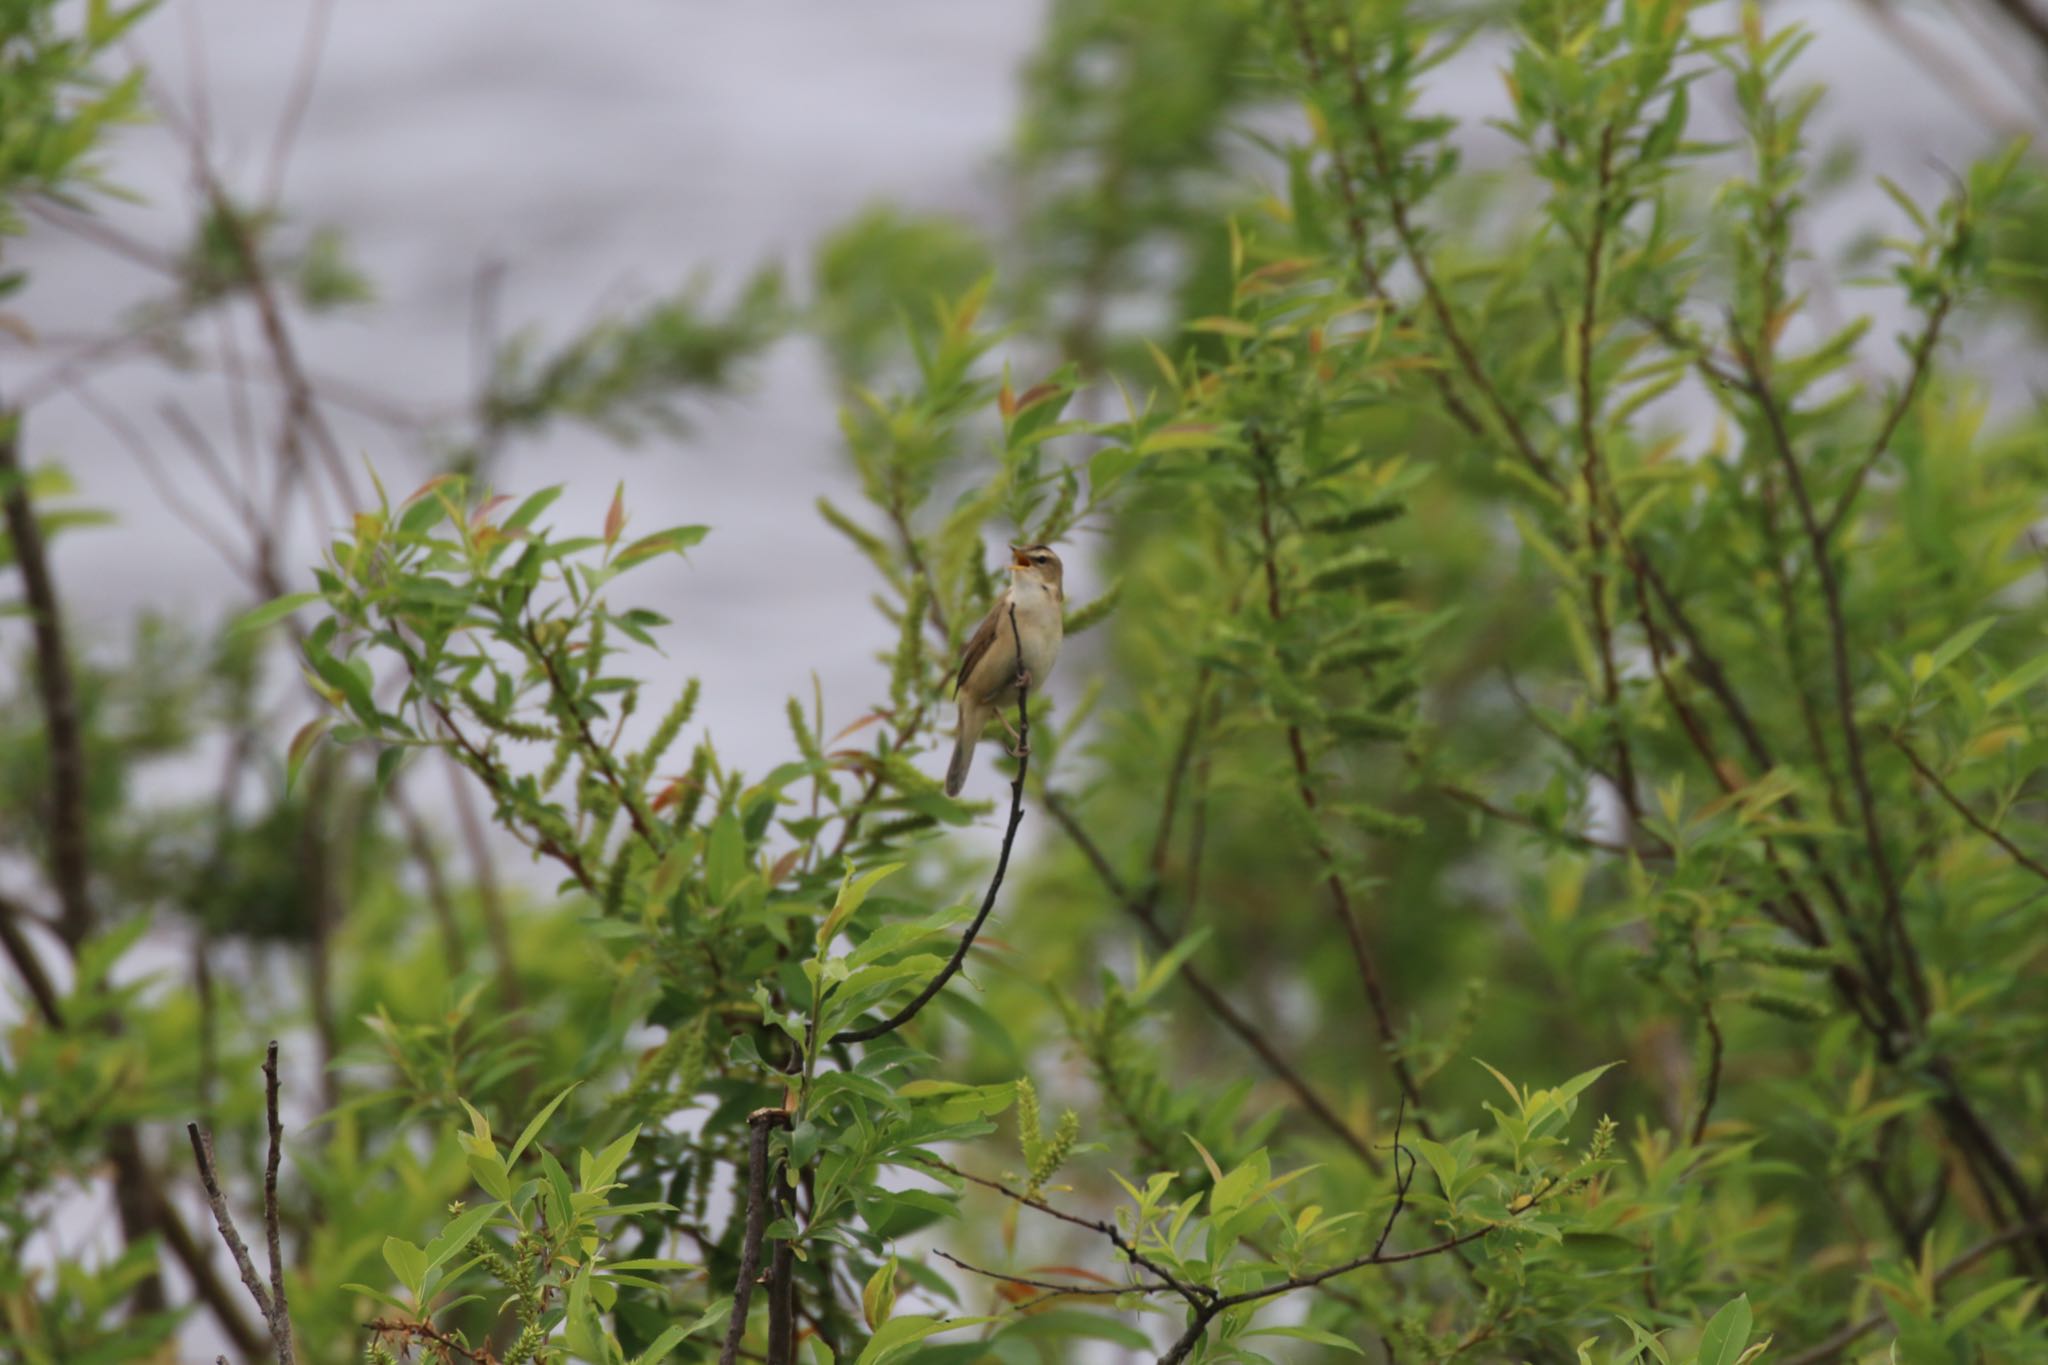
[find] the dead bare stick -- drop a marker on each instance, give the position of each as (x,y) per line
(270,1303)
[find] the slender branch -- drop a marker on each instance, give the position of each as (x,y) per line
(759,1123)
(988,900)
(1411,248)
(1976,821)
(1340,897)
(202,1153)
(1584,842)
(1054,1288)
(1845,692)
(1902,403)
(600,754)
(1590,476)
(426,1331)
(1212,998)
(1833,1345)
(1195,1294)
(1716,1045)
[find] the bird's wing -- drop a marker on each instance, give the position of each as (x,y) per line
(984,639)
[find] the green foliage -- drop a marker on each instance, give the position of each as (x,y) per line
(1516,628)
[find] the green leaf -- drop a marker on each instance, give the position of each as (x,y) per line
(2021,679)
(676,539)
(407,1262)
(379,1295)
(271,612)
(533,1127)
(889,1342)
(458,1234)
(852,892)
(534,505)
(1726,1334)
(1315,1334)
(301,748)
(878,1296)
(1952,648)
(1162,971)
(657,1350)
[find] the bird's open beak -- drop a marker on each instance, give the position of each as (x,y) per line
(1018,560)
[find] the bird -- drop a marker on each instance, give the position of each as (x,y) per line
(986,681)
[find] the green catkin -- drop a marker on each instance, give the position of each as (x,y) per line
(693,788)
(1095,612)
(558,762)
(907,664)
(499,721)
(672,723)
(1356,656)
(1786,1006)
(1361,568)
(617,877)
(1357,518)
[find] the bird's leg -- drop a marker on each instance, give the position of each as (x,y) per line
(1017,748)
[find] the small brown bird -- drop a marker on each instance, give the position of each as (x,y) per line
(987,680)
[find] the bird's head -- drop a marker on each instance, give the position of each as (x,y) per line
(1038,563)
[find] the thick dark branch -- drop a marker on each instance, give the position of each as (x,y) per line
(759,1123)
(56,689)
(988,900)
(782,1284)
(22,954)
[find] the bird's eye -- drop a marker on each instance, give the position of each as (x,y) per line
(1038,559)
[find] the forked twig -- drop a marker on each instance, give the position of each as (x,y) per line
(272,1303)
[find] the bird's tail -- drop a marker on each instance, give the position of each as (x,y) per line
(963,755)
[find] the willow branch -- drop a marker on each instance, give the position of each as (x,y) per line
(1143,911)
(988,900)
(1976,821)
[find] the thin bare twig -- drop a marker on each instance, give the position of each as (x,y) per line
(1054,1288)
(988,900)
